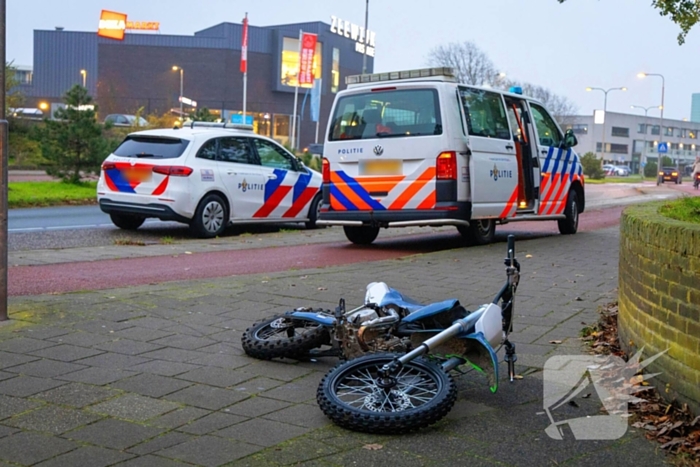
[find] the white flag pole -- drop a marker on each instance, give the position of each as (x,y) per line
(245,72)
(296,97)
(318,119)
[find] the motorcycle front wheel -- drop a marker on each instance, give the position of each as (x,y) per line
(354,397)
(284,336)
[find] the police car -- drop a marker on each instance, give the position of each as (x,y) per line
(417,148)
(207,176)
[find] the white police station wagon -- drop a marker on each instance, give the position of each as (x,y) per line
(207,176)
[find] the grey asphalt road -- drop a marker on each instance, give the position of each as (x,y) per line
(56,218)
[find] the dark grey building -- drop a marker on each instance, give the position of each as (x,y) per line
(137,72)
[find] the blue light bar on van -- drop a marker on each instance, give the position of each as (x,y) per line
(516,90)
(444,71)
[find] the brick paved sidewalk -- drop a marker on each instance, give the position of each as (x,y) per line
(155,375)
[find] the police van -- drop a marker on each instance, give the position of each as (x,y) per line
(416,148)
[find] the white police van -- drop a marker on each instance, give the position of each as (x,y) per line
(416,148)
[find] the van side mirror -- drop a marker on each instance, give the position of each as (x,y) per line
(570,139)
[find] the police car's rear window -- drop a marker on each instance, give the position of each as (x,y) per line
(386,114)
(151,147)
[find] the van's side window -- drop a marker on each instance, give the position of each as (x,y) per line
(485,112)
(547,130)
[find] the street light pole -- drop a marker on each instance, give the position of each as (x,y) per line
(642,157)
(364,55)
(4,150)
(605,109)
(176,68)
(661,123)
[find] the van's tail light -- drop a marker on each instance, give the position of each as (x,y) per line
(447,166)
(108,165)
(326,171)
(173,170)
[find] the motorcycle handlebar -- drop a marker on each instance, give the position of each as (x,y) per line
(511,245)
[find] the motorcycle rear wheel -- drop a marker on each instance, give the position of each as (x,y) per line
(283,336)
(350,395)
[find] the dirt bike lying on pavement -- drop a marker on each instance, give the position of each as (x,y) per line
(389,393)
(387,322)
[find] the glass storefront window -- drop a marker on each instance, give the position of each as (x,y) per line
(282,126)
(335,71)
(289,67)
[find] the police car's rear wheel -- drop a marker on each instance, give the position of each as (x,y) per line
(480,231)
(126,222)
(211,218)
(569,225)
(364,235)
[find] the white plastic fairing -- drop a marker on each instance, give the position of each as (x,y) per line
(375,292)
(490,324)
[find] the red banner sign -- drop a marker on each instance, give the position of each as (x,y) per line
(244,46)
(306,60)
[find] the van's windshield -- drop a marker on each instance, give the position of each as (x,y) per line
(386,114)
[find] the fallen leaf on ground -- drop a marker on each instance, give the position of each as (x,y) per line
(372,447)
(555,342)
(322,288)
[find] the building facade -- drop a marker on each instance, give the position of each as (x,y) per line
(695,108)
(137,72)
(633,139)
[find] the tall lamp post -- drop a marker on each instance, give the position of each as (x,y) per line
(84,75)
(364,55)
(605,108)
(642,158)
(643,75)
(179,68)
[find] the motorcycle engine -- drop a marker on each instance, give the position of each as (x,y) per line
(362,332)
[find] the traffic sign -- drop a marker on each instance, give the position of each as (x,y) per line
(663,148)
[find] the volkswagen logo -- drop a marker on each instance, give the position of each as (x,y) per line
(378,150)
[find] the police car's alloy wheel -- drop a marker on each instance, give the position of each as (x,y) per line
(211,217)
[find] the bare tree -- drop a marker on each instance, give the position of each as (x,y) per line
(471,64)
(559,106)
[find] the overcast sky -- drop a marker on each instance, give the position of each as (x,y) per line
(598,43)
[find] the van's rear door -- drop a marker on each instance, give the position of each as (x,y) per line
(382,148)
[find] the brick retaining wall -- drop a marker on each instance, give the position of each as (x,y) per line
(659,298)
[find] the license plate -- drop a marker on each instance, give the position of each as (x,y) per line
(137,174)
(381,167)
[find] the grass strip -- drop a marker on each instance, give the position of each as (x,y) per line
(41,194)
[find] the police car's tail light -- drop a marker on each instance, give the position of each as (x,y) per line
(326,171)
(447,166)
(173,170)
(108,165)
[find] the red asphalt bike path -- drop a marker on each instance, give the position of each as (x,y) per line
(115,273)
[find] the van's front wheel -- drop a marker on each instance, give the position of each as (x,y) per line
(480,231)
(569,225)
(364,235)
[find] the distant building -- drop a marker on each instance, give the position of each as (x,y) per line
(632,138)
(137,72)
(695,108)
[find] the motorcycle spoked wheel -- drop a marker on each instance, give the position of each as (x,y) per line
(351,397)
(283,336)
